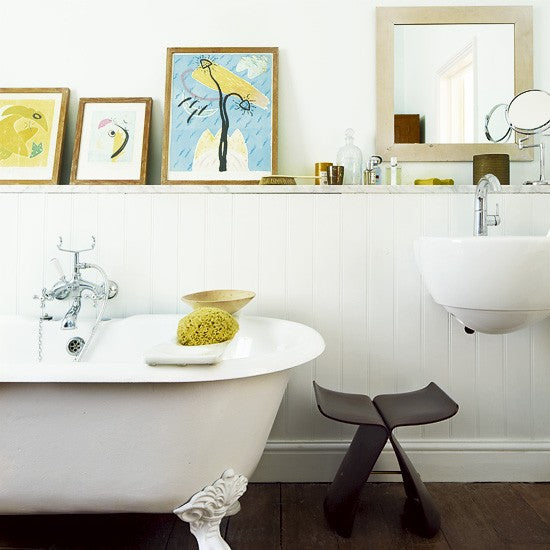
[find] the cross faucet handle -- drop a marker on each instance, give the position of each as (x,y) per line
(60,245)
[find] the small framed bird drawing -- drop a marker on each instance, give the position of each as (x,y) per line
(112,141)
(32,126)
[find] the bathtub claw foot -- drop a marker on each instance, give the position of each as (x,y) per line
(206,509)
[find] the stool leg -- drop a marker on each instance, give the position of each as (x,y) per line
(425,516)
(343,495)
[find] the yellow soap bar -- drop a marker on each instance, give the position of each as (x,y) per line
(434,181)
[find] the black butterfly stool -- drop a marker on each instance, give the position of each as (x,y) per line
(376,420)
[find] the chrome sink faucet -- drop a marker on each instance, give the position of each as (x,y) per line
(76,286)
(481,219)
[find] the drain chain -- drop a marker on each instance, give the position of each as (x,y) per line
(40,322)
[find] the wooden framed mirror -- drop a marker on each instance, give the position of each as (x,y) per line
(439,72)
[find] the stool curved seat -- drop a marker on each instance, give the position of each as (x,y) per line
(425,406)
(350,408)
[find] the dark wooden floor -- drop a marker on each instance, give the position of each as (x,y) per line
(474,516)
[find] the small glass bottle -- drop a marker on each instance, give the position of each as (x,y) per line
(393,173)
(350,157)
(372,174)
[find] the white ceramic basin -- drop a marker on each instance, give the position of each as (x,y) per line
(490,284)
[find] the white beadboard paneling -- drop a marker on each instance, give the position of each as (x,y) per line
(518,360)
(462,216)
(342,263)
(540,369)
(407,282)
(435,321)
(273,220)
(30,263)
(191,246)
(272,258)
(354,297)
(301,409)
(354,293)
(517,216)
(407,302)
(136,280)
(164,254)
(381,307)
(59,223)
(540,378)
(246,240)
(463,383)
(540,212)
(490,378)
(111,247)
(10,246)
(517,384)
(219,235)
(327,298)
(84,226)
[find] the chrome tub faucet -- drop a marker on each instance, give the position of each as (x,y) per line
(481,219)
(76,286)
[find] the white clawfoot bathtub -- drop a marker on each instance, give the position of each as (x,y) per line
(112,434)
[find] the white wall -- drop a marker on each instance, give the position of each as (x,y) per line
(327,69)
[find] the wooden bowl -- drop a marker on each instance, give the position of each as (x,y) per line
(228,300)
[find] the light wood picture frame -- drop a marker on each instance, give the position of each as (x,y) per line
(220,115)
(32,128)
(386,20)
(112,141)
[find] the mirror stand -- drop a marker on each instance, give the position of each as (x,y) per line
(528,114)
(541,147)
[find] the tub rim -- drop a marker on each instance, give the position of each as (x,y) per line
(310,346)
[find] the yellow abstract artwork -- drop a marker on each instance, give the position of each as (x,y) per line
(25,132)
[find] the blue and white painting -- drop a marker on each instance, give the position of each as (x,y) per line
(221,116)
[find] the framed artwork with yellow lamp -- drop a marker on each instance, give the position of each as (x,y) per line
(32,126)
(220,115)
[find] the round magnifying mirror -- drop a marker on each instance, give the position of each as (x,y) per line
(497,128)
(529,112)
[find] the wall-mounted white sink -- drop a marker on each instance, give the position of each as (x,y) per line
(490,284)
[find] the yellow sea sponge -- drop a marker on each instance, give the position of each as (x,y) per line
(206,325)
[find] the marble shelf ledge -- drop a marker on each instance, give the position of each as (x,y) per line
(265,189)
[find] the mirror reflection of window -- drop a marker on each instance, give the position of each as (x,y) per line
(457,111)
(451,75)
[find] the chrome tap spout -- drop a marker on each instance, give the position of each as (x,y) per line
(69,321)
(481,219)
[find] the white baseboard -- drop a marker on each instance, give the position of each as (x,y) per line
(435,460)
